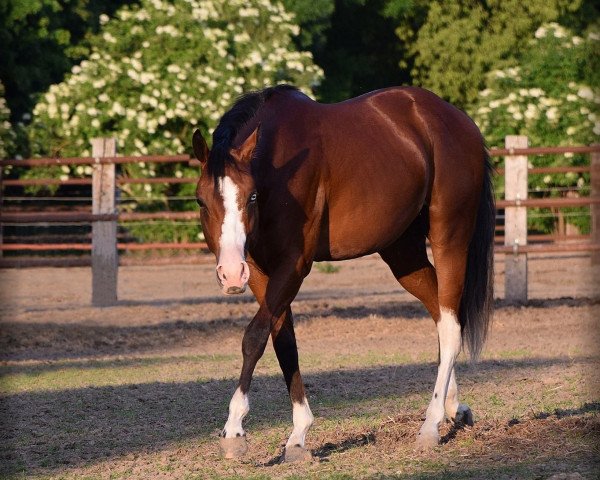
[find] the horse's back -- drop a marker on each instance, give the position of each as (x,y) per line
(380,153)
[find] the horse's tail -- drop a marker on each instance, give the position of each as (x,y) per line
(477,300)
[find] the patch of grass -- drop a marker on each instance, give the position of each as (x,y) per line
(327,267)
(496,401)
(516,353)
(62,375)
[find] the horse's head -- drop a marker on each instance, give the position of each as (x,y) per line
(228,210)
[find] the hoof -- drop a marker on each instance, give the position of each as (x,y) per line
(296,453)
(426,441)
(463,416)
(233,447)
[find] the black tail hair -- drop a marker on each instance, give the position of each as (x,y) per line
(477,300)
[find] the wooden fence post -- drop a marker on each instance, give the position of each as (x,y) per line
(105,260)
(515,222)
(595,208)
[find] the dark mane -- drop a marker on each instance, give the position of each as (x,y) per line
(232,122)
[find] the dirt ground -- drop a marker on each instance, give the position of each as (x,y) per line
(141,389)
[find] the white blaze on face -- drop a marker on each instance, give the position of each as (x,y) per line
(233,234)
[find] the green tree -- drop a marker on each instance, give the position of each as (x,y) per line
(357,49)
(40,40)
(314,19)
(459,42)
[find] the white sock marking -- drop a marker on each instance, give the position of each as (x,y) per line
(233,235)
(239,406)
(451,402)
(303,419)
(449,336)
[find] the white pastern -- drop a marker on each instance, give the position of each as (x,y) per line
(303,419)
(449,337)
(451,403)
(239,406)
(233,235)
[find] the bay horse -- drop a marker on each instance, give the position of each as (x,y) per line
(290,181)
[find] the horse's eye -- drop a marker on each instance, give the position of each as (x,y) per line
(253,197)
(200,203)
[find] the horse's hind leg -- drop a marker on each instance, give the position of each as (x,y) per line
(449,266)
(451,227)
(407,258)
(459,413)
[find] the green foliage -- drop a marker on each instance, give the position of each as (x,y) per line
(327,267)
(552,96)
(314,18)
(361,52)
(7,136)
(161,69)
(461,41)
(409,16)
(39,42)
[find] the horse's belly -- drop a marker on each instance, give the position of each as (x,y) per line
(364,230)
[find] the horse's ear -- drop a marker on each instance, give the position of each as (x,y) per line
(243,154)
(200,147)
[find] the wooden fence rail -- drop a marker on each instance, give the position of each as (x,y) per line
(104,217)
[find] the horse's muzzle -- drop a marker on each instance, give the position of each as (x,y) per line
(233,277)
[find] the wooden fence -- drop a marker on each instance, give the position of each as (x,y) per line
(104,216)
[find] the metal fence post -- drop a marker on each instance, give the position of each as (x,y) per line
(105,260)
(515,222)
(595,208)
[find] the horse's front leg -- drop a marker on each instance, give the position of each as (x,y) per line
(274,294)
(233,437)
(284,342)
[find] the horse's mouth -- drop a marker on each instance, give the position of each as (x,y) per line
(235,290)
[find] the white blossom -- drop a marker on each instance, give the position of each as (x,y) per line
(586,92)
(158,68)
(552,114)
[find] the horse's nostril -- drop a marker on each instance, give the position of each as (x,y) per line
(224,277)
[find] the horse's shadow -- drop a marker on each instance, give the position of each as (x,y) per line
(25,341)
(323,453)
(53,429)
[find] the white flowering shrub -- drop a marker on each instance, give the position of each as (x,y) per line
(550,98)
(160,69)
(7,136)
